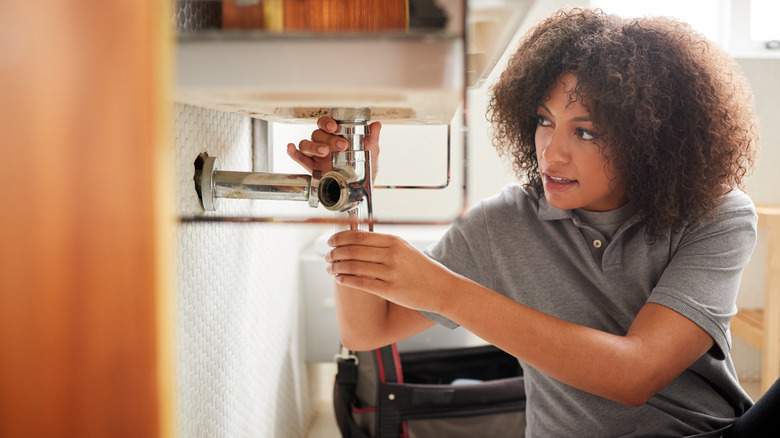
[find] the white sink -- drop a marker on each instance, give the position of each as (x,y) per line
(405,79)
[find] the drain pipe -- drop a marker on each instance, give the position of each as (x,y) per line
(346,190)
(213,184)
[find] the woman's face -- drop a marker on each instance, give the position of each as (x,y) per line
(573,169)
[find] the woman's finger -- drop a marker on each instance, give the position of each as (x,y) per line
(352,237)
(313,149)
(356,267)
(299,157)
(327,124)
(356,252)
(334,142)
(371,141)
(367,284)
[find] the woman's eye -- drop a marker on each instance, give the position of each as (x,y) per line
(542,120)
(584,134)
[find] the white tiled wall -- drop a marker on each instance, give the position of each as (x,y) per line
(239,368)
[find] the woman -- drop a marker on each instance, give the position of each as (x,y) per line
(612,272)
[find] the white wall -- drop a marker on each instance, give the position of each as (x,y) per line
(239,371)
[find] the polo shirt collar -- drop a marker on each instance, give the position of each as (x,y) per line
(549,213)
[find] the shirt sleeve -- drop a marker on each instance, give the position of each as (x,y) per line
(703,275)
(464,249)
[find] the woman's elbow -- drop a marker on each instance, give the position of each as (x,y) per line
(634,400)
(353,343)
(360,341)
(637,393)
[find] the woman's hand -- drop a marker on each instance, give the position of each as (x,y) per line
(315,154)
(388,267)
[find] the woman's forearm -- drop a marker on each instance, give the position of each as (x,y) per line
(625,368)
(360,317)
(367,321)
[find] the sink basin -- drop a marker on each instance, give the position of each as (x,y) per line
(410,79)
(414,74)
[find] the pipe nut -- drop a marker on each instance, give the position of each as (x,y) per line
(314,188)
(334,190)
(350,115)
(208,196)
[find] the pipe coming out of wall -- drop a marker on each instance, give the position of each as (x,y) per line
(347,189)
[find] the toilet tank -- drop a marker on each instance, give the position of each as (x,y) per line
(321,337)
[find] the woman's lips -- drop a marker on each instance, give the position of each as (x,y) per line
(557,183)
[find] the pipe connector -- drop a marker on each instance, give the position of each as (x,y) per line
(340,190)
(353,125)
(347,188)
(213,184)
(360,115)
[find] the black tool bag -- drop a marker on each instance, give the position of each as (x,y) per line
(463,392)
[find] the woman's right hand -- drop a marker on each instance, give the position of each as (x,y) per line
(315,154)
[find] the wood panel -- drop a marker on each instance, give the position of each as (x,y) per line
(84,272)
(317,15)
(244,16)
(770,367)
(761,327)
(345,15)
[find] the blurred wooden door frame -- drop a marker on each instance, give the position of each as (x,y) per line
(761,327)
(86,229)
(317,15)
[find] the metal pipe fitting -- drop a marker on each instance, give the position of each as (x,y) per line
(213,184)
(347,189)
(350,181)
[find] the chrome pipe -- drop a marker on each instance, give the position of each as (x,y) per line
(261,185)
(348,184)
(347,189)
(213,184)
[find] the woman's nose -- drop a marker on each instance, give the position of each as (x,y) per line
(554,148)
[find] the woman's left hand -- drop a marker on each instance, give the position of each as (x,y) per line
(389,267)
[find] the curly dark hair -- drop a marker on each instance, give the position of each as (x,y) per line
(674,115)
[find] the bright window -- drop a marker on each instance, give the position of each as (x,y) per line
(706,16)
(763,20)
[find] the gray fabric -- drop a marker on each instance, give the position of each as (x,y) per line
(520,246)
(606,222)
(504,425)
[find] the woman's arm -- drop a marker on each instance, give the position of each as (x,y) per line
(628,369)
(365,321)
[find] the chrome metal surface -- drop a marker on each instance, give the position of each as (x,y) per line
(345,187)
(206,184)
(351,177)
(213,184)
(314,188)
(351,115)
(261,185)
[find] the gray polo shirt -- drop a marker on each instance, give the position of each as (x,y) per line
(518,245)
